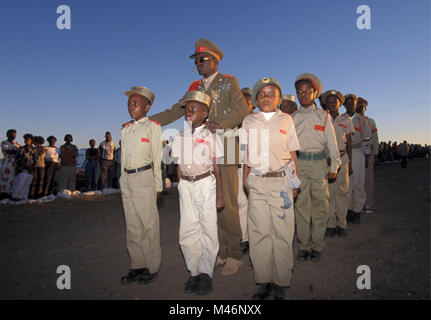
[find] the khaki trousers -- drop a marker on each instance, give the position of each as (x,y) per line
(138,192)
(357,181)
(312,204)
(270,230)
(242,206)
(229,229)
(198,224)
(369,182)
(339,196)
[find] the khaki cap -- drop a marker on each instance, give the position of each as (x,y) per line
(315,81)
(246,91)
(350,95)
(143,91)
(289,97)
(329,93)
(204,45)
(198,96)
(362,100)
(262,83)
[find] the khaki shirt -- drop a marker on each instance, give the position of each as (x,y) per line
(315,132)
(141,144)
(375,138)
(196,151)
(268,142)
(343,126)
(362,130)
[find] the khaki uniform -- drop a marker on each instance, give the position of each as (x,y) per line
(198,224)
(142,145)
(357,193)
(339,190)
(315,131)
(369,171)
(271,228)
(228,108)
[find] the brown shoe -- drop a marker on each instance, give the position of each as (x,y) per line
(231,267)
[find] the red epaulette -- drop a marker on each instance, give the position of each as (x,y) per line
(155,122)
(194,86)
(227,76)
(126,124)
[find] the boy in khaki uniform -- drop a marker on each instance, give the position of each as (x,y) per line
(200,192)
(271,142)
(315,132)
(339,189)
(141,183)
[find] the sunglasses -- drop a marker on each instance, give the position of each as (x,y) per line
(202,59)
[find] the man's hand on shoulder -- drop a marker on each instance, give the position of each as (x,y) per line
(213,126)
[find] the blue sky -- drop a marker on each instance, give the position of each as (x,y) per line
(72,81)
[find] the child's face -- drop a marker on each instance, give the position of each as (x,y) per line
(249,104)
(52,142)
(305,93)
(138,106)
(360,108)
(28,142)
(268,98)
(333,103)
(288,107)
(350,105)
(196,112)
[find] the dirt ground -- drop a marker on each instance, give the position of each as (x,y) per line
(89,236)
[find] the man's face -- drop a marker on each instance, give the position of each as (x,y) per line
(288,106)
(196,112)
(208,66)
(305,93)
(28,142)
(361,108)
(268,98)
(350,105)
(92,143)
(68,138)
(138,106)
(249,104)
(52,142)
(11,135)
(333,104)
(108,136)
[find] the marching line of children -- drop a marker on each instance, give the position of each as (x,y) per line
(322,147)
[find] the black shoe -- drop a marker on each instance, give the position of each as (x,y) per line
(330,232)
(356,217)
(133,275)
(341,232)
(315,256)
(192,284)
(244,247)
(205,284)
(147,277)
(303,255)
(280,293)
(349,217)
(264,291)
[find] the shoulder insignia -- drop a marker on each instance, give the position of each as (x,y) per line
(194,86)
(126,124)
(155,122)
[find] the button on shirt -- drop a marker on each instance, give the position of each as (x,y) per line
(141,145)
(195,152)
(108,149)
(268,142)
(315,131)
(343,126)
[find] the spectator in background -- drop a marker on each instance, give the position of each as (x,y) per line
(92,155)
(67,172)
(403,153)
(395,151)
(117,159)
(36,188)
(51,165)
(107,164)
(9,149)
(288,104)
(25,160)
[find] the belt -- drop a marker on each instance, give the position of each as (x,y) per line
(270,174)
(342,153)
(312,156)
(196,178)
(139,169)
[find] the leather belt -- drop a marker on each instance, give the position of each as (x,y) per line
(139,169)
(196,178)
(312,156)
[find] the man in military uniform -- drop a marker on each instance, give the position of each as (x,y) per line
(228,109)
(288,104)
(141,183)
(360,156)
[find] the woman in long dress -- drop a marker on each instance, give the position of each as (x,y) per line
(9,149)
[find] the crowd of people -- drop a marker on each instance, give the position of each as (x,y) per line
(392,151)
(33,171)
